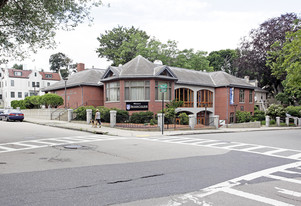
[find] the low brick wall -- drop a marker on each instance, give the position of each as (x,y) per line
(245,125)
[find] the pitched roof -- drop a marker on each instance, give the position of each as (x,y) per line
(139,67)
(193,77)
(222,79)
(23,73)
(50,76)
(88,77)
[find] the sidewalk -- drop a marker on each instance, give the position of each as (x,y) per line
(81,126)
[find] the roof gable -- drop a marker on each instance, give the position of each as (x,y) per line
(164,71)
(16,73)
(50,76)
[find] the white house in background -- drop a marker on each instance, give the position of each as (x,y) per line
(18,84)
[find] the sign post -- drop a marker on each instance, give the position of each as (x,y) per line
(163,89)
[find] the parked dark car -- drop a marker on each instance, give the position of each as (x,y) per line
(12,115)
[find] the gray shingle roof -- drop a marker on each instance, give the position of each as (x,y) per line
(88,77)
(140,67)
(222,79)
(187,76)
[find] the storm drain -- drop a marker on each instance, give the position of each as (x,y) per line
(73,147)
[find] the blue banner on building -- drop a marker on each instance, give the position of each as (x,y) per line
(231,95)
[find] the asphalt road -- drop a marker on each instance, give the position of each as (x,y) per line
(37,169)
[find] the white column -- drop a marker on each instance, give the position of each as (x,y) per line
(161,121)
(89,115)
(70,114)
(191,121)
(113,115)
(278,121)
(267,121)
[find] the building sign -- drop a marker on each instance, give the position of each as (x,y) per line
(131,106)
(231,95)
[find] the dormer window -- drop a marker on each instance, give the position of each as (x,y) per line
(48,76)
(19,74)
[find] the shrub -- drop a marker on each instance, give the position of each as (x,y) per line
(243,116)
(153,122)
(32,102)
(142,117)
(184,119)
(276,110)
(272,122)
(52,100)
(122,115)
(81,113)
(258,115)
(18,103)
(294,111)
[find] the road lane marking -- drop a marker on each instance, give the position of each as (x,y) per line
(253,148)
(32,144)
(233,146)
(257,198)
(296,156)
(288,192)
(275,151)
(228,186)
(283,179)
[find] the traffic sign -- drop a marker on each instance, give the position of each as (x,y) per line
(163,87)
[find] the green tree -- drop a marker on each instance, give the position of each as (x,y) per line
(28,25)
(18,66)
(254,49)
(223,60)
(120,44)
(285,62)
(58,61)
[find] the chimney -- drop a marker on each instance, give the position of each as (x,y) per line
(80,67)
(247,78)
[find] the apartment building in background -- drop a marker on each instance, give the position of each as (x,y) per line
(17,84)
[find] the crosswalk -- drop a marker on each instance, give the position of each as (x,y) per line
(40,143)
(282,187)
(228,145)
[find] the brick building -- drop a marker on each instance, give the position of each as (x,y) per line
(82,88)
(135,86)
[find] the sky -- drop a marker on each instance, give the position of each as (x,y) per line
(204,25)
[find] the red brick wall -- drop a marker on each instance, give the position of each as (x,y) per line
(153,105)
(85,95)
(221,102)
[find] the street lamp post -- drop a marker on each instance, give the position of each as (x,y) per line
(65,79)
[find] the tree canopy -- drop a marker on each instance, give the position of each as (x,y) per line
(28,25)
(285,62)
(122,44)
(58,61)
(224,60)
(254,49)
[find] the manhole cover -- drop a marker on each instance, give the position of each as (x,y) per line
(73,147)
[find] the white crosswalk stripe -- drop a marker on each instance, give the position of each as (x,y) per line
(40,143)
(238,187)
(235,146)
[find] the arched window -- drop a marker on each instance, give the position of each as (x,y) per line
(205,98)
(185,95)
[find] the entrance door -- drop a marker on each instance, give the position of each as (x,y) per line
(203,118)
